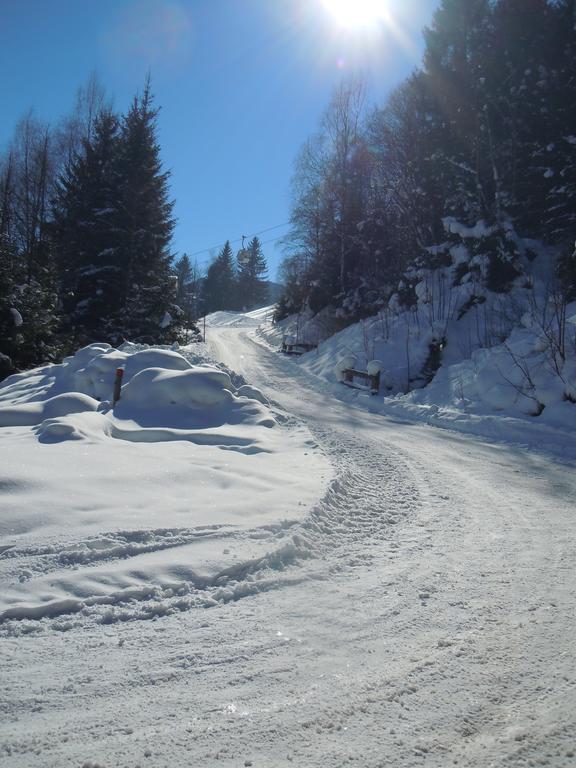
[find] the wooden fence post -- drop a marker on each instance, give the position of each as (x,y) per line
(117,385)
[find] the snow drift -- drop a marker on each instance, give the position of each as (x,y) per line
(186,476)
(164,397)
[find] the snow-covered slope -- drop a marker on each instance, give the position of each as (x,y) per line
(505,368)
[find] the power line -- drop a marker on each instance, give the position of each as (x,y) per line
(273,240)
(239,239)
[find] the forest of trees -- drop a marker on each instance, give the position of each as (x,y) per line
(85,231)
(481,140)
(237,284)
(479,143)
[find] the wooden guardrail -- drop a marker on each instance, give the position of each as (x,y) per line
(373,379)
(297,348)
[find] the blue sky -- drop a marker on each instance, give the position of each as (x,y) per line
(241,83)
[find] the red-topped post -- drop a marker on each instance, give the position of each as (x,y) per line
(117,385)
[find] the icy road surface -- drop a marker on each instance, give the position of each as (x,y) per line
(426,620)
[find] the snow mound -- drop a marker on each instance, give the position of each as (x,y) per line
(186,481)
(164,398)
(90,371)
(85,426)
(253,393)
(97,376)
(30,414)
(196,387)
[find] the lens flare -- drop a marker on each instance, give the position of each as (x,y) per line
(149,33)
(357,14)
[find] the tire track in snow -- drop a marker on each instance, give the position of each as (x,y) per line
(371,493)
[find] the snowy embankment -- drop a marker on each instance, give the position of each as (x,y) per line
(515,382)
(240,319)
(188,476)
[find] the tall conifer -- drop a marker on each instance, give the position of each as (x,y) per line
(252,274)
(220,286)
(85,235)
(145,224)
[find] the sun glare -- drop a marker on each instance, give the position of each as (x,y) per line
(357,14)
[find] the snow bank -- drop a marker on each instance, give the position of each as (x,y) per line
(96,377)
(185,477)
(90,371)
(195,387)
(162,390)
(29,414)
(470,355)
(252,393)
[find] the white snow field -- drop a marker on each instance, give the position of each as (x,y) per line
(196,578)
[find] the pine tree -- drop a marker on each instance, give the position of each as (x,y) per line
(220,286)
(85,234)
(27,310)
(455,79)
(252,274)
(183,270)
(145,224)
(189,287)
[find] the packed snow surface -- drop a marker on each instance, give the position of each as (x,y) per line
(240,319)
(178,603)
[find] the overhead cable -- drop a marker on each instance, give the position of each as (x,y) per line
(239,239)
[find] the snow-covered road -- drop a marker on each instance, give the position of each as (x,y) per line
(428,619)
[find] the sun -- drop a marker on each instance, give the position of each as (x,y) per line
(357,14)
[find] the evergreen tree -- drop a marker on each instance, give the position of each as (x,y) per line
(252,274)
(455,79)
(85,234)
(189,288)
(144,222)
(9,320)
(183,270)
(220,286)
(27,311)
